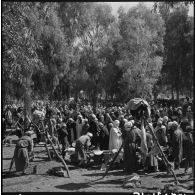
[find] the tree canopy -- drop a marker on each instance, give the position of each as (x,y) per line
(56,49)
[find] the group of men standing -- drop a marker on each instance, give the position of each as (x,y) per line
(107,130)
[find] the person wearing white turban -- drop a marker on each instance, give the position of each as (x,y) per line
(82,143)
(115,139)
(161,133)
(130,146)
(79,126)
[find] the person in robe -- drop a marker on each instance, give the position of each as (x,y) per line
(169,133)
(51,123)
(151,160)
(79,125)
(63,138)
(23,151)
(115,140)
(177,145)
(108,120)
(130,147)
(104,137)
(37,118)
(71,129)
(94,129)
(188,147)
(81,147)
(161,132)
(85,127)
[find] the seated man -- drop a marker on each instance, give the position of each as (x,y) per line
(82,144)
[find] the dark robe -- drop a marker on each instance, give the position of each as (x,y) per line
(188,148)
(161,135)
(85,129)
(63,139)
(93,128)
(151,160)
(177,145)
(132,138)
(104,138)
(71,129)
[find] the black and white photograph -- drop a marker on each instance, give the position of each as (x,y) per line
(97,97)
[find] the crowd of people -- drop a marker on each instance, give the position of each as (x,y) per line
(107,128)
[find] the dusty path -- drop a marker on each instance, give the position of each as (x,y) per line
(80,178)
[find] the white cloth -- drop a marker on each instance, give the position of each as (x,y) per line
(79,127)
(115,140)
(144,147)
(37,115)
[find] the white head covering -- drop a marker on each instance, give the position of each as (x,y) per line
(132,121)
(89,134)
(116,123)
(28,133)
(86,120)
(63,125)
(169,124)
(159,122)
(125,120)
(175,124)
(128,126)
(165,119)
(79,116)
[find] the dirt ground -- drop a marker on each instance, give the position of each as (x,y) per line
(80,180)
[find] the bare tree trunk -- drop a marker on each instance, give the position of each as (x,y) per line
(177,93)
(172,93)
(94,100)
(27,101)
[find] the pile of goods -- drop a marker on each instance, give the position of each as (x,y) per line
(172,188)
(57,171)
(132,181)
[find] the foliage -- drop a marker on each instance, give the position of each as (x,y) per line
(19,44)
(57,49)
(178,69)
(141,50)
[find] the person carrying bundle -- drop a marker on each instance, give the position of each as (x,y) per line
(130,142)
(81,147)
(23,151)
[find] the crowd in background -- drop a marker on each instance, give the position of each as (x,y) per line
(108,128)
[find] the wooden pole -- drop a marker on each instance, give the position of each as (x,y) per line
(164,157)
(11,131)
(63,162)
(11,164)
(48,152)
(47,149)
(113,160)
(60,158)
(55,130)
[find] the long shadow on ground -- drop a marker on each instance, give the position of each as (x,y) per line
(73,186)
(113,181)
(150,188)
(114,173)
(168,176)
(8,174)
